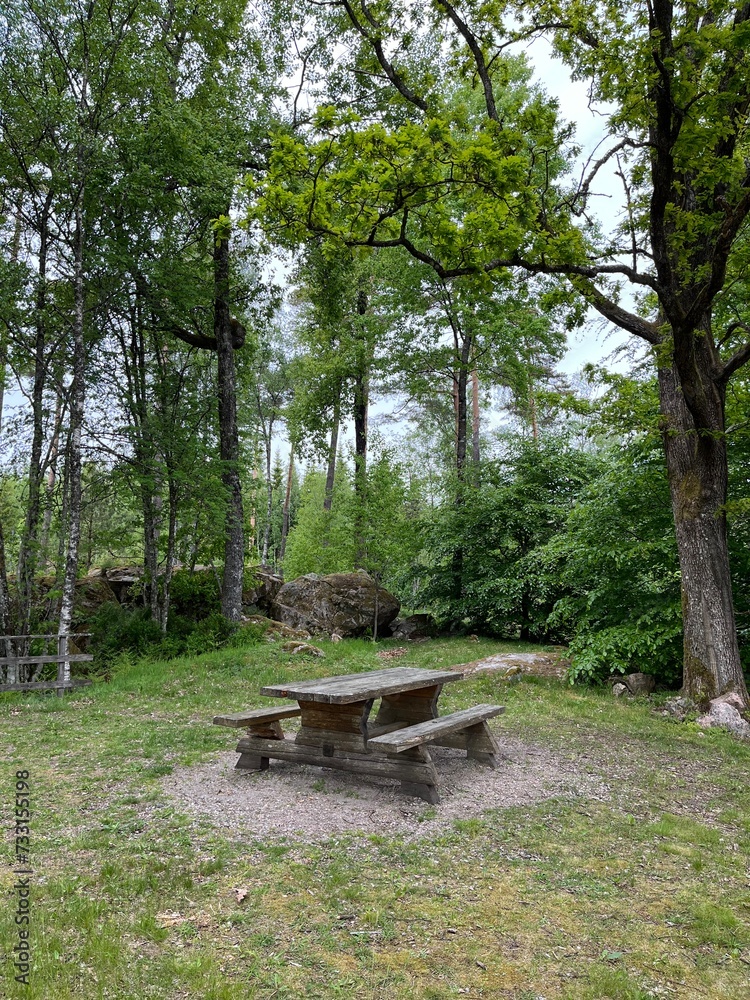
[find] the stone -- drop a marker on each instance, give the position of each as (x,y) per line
(265,586)
(91,592)
(733,699)
(516,665)
(725,712)
(618,690)
(419,626)
(344,603)
(639,683)
(274,631)
(679,708)
(302,649)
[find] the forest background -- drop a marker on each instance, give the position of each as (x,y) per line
(157,162)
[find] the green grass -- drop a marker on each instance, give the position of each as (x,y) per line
(642,893)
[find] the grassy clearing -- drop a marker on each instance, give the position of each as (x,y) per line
(646,894)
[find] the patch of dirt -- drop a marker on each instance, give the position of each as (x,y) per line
(312,803)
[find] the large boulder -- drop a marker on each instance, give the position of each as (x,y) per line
(90,594)
(264,587)
(341,603)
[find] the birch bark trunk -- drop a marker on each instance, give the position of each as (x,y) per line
(77,403)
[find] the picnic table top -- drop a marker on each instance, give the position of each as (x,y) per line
(347,688)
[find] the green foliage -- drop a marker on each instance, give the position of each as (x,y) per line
(391,543)
(322,541)
(617,560)
(480,543)
(118,632)
(195,595)
(115,630)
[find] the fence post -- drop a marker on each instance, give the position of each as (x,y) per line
(11,670)
(63,664)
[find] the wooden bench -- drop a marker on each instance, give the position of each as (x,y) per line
(261,722)
(240,720)
(463,730)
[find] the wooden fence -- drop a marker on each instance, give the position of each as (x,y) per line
(26,659)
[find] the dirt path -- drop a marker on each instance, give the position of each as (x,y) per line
(312,803)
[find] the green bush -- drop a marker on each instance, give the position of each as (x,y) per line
(118,631)
(617,561)
(479,571)
(195,595)
(115,629)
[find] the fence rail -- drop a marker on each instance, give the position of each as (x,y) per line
(24,662)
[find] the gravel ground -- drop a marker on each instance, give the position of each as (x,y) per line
(312,803)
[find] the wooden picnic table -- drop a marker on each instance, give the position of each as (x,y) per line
(336,729)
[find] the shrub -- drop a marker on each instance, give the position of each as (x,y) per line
(195,595)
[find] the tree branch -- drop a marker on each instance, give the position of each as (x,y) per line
(377,46)
(200,340)
(479,61)
(738,359)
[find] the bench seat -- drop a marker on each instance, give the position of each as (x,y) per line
(434,730)
(241,720)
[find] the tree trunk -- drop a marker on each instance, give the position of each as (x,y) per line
(151,519)
(534,422)
(332,454)
(5,615)
(361,405)
(287,505)
(28,555)
(3,371)
(49,489)
(169,561)
(5,612)
(462,412)
(234,547)
(15,250)
(461,378)
(269,498)
(63,532)
(475,456)
(697,470)
(77,400)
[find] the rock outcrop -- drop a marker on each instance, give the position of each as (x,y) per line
(420,626)
(265,587)
(126,581)
(346,604)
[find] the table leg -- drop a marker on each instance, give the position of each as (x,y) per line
(260,730)
(328,727)
(336,736)
(478,741)
(408,708)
